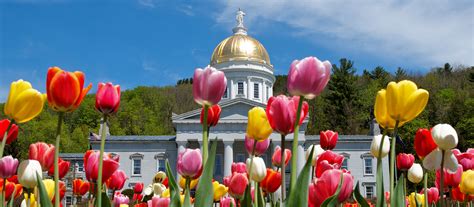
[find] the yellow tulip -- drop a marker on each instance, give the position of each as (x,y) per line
(420,199)
(405,101)
(192,185)
(258,126)
(467,182)
(49,187)
(23,103)
(219,190)
(32,199)
(123,205)
(166,193)
(380,111)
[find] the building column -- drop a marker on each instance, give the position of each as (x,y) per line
(301,157)
(228,157)
(264,93)
(248,88)
(231,89)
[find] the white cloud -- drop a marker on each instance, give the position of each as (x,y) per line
(424,32)
(147,3)
(186,9)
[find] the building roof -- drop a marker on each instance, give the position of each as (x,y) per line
(342,138)
(71,155)
(96,138)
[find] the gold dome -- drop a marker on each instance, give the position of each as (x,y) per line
(240,47)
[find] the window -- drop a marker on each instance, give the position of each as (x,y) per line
(68,200)
(218,170)
(137,166)
(368,165)
(344,163)
(240,88)
(80,166)
(256,90)
(369,191)
(240,158)
(225,93)
(160,165)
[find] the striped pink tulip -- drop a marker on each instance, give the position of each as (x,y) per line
(209,85)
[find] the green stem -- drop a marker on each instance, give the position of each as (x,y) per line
(28,203)
(187,201)
(205,136)
(103,136)
(3,191)
(255,194)
(5,137)
(441,180)
(250,170)
(425,185)
(295,145)
(379,176)
(283,172)
(392,163)
(56,160)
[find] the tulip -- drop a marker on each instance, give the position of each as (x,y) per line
(405,161)
(63,168)
(327,184)
(11,188)
(80,187)
(445,136)
(238,167)
(12,133)
(328,139)
(281,113)
(28,172)
(160,176)
(405,101)
(433,160)
(433,195)
(317,152)
(213,114)
(256,169)
(308,77)
(209,85)
(138,188)
(8,166)
(192,184)
(375,146)
(328,160)
(65,89)
(450,179)
(49,187)
(276,158)
(380,111)
(31,198)
(424,143)
(415,173)
(190,163)
(258,126)
(260,146)
(387,197)
(272,181)
(62,190)
(107,98)
(237,184)
(42,152)
(420,199)
(227,202)
(465,159)
(467,185)
(219,190)
(158,202)
(117,180)
(24,102)
(120,199)
(91,162)
(457,195)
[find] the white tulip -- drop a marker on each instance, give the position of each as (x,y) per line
(148,190)
(375,146)
(158,189)
(415,173)
(317,151)
(445,136)
(27,173)
(259,170)
(432,161)
(450,162)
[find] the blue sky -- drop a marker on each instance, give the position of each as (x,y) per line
(154,42)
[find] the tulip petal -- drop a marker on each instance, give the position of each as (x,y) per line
(29,104)
(433,160)
(415,104)
(450,162)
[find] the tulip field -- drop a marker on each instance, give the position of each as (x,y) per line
(37,181)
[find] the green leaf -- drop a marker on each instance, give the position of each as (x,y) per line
(187,200)
(174,190)
(260,199)
(299,196)
(359,198)
(128,192)
(205,191)
(247,200)
(105,200)
(43,194)
(379,183)
(399,192)
(332,201)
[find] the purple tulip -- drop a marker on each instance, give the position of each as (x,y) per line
(208,86)
(259,149)
(8,166)
(308,77)
(190,163)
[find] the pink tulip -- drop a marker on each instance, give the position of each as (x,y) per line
(8,166)
(107,98)
(237,185)
(327,184)
(120,199)
(227,201)
(156,201)
(466,159)
(260,148)
(328,139)
(433,195)
(276,158)
(281,113)
(138,188)
(328,160)
(91,165)
(208,86)
(239,167)
(450,179)
(43,153)
(308,77)
(190,163)
(405,161)
(117,180)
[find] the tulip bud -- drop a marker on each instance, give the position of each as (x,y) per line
(107,98)
(281,113)
(219,190)
(208,86)
(375,146)
(415,198)
(328,139)
(445,136)
(63,168)
(260,148)
(450,179)
(308,77)
(237,184)
(80,187)
(159,177)
(213,115)
(272,181)
(467,185)
(42,152)
(415,173)
(405,101)
(91,165)
(328,160)
(258,169)
(258,126)
(276,158)
(8,166)
(23,102)
(12,133)
(156,201)
(433,195)
(121,199)
(424,143)
(65,90)
(190,163)
(28,170)
(138,188)
(465,159)
(239,167)
(327,184)
(227,202)
(317,151)
(405,161)
(117,180)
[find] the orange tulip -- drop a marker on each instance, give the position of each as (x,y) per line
(65,90)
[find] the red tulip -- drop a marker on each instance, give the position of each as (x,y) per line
(433,195)
(238,167)
(424,143)
(327,184)
(80,187)
(328,160)
(43,153)
(328,139)
(12,133)
(62,191)
(405,161)
(91,165)
(107,98)
(11,187)
(260,148)
(459,196)
(213,114)
(138,197)
(308,77)
(117,180)
(208,86)
(138,188)
(165,182)
(238,183)
(271,182)
(276,158)
(466,159)
(450,179)
(281,113)
(13,179)
(140,204)
(63,168)
(65,90)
